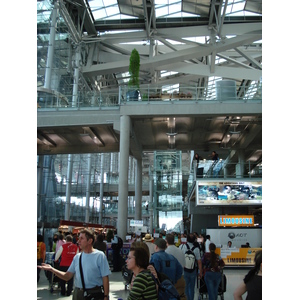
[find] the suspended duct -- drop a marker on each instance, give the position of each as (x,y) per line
(226,90)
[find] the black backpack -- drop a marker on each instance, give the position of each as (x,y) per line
(119,245)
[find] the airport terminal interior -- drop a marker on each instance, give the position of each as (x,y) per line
(128,92)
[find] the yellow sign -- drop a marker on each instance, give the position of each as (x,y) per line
(236,220)
(237,256)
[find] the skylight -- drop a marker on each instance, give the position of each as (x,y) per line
(106,10)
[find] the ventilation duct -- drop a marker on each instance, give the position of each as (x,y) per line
(226,90)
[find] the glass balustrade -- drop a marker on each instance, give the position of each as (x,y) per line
(113,98)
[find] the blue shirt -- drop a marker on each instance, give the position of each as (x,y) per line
(94,267)
(167,264)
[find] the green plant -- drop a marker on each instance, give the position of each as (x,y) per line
(134,69)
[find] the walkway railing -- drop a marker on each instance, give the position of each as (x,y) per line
(109,98)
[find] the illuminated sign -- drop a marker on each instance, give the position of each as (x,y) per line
(236,220)
(136,222)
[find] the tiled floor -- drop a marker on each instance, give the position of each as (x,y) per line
(117,289)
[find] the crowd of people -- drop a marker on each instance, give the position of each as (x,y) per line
(82,264)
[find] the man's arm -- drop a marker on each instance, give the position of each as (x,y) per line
(179,270)
(200,267)
(58,253)
(62,275)
(155,262)
(106,286)
(240,290)
(44,253)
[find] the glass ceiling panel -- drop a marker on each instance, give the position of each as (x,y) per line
(109,9)
(106,10)
(236,8)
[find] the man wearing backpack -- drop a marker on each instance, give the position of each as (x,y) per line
(164,262)
(192,265)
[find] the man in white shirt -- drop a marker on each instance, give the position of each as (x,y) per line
(190,277)
(207,242)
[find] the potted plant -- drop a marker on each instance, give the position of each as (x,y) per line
(134,70)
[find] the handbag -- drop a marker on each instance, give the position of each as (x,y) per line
(95,293)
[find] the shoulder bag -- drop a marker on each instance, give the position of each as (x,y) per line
(96,293)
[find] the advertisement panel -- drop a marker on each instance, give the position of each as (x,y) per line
(229,192)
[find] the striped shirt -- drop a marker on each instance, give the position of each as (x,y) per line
(144,287)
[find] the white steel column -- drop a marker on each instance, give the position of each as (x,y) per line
(123,176)
(151,205)
(50,53)
(101,187)
(240,166)
(76,76)
(39,186)
(138,190)
(88,189)
(69,186)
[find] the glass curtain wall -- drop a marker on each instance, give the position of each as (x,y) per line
(167,191)
(54,179)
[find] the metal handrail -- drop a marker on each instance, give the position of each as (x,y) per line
(109,98)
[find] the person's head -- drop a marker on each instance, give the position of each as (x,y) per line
(208,237)
(69,238)
(100,237)
(148,238)
(257,266)
(86,239)
(40,238)
(191,238)
(140,244)
(55,238)
(212,247)
(248,245)
(61,236)
(160,244)
(138,258)
(170,239)
(258,260)
(229,244)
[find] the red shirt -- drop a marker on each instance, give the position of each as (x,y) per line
(69,251)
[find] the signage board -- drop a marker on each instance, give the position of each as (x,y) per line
(237,256)
(136,222)
(236,220)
